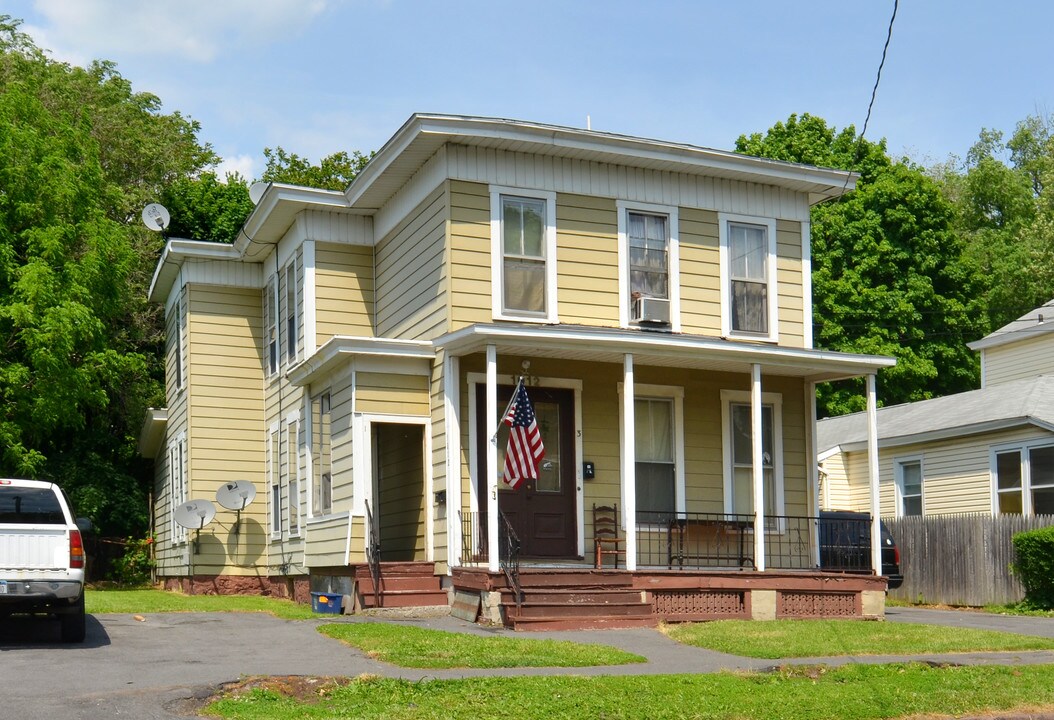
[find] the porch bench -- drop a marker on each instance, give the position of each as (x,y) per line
(705,540)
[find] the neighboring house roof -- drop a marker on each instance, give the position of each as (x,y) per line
(1014,404)
(1034,322)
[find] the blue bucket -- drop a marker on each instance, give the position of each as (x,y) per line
(326,603)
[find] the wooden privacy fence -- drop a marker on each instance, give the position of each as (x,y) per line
(960,559)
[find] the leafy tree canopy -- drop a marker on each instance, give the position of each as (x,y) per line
(333,172)
(205,208)
(889,276)
(80,154)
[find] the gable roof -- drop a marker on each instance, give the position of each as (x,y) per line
(1014,404)
(1035,322)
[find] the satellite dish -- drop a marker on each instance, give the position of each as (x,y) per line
(156,217)
(195,514)
(236,495)
(256,191)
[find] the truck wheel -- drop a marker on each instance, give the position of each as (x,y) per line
(73,623)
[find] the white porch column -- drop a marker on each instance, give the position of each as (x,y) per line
(491,471)
(872,473)
(629,462)
(812,475)
(757,465)
(452,429)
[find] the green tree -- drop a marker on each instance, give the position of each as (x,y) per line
(333,172)
(889,276)
(80,154)
(204,208)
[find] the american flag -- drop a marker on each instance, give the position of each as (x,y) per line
(525,448)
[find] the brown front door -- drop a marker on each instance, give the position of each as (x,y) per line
(542,511)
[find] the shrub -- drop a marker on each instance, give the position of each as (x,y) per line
(1035,565)
(133,568)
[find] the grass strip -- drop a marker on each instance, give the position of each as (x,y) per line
(853,692)
(829,638)
(144,601)
(416,647)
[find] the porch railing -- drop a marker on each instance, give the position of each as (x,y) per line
(475,547)
(509,556)
(473,538)
(373,553)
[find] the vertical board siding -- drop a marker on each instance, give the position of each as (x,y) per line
(587,260)
(226,422)
(960,559)
(343,291)
(1019,360)
(411,274)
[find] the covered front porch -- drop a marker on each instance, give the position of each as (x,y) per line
(715,488)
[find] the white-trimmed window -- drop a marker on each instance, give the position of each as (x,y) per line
(908,474)
(177,480)
(748,276)
(292,328)
(738,453)
(274,475)
(648,265)
(321,455)
(271,356)
(658,442)
(180,311)
(523,252)
(1023,479)
(292,467)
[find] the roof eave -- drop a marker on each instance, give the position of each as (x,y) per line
(339,348)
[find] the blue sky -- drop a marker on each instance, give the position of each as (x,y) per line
(318,76)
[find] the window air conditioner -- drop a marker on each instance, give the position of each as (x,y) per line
(655,311)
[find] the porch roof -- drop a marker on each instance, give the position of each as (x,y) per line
(340,348)
(575,342)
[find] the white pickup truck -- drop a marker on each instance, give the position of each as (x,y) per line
(41,555)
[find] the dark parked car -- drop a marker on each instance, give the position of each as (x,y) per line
(845,545)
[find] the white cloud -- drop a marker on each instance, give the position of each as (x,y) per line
(195,30)
(245,165)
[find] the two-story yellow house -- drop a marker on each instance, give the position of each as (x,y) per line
(352,353)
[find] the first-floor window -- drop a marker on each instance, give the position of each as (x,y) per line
(177,477)
(739,454)
(909,485)
(655,462)
(1024,480)
(293,475)
(274,476)
(321,447)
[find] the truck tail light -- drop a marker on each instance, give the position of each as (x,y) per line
(896,555)
(76,549)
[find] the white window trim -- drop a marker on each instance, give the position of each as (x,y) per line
(272,313)
(274,477)
(644,391)
(497,275)
(726,283)
(740,397)
(1026,471)
(898,484)
(292,425)
(673,259)
(178,477)
(314,513)
(182,322)
(292,343)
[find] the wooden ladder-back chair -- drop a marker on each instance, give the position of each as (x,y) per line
(606,540)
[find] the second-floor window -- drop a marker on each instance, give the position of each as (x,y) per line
(271,326)
(648,265)
(291,328)
(524,248)
(649,269)
(748,270)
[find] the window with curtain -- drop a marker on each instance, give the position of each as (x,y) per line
(523,227)
(743,460)
(909,479)
(648,237)
(748,277)
(655,460)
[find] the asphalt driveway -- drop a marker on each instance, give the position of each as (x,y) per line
(158,667)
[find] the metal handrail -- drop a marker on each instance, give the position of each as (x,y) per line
(373,554)
(509,557)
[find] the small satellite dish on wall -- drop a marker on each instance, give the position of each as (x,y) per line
(156,217)
(195,514)
(256,191)
(236,495)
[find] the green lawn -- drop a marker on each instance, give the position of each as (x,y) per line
(143,601)
(825,638)
(854,692)
(424,648)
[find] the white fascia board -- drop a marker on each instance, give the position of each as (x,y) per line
(831,452)
(287,200)
(341,347)
(155,422)
(1013,336)
(176,251)
(629,341)
(949,433)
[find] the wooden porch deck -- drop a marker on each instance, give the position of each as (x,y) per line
(571,599)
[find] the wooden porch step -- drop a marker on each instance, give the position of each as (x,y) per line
(402,569)
(582,596)
(391,583)
(611,610)
(406,598)
(561,622)
(574,579)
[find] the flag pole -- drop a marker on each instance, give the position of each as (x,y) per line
(512,399)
